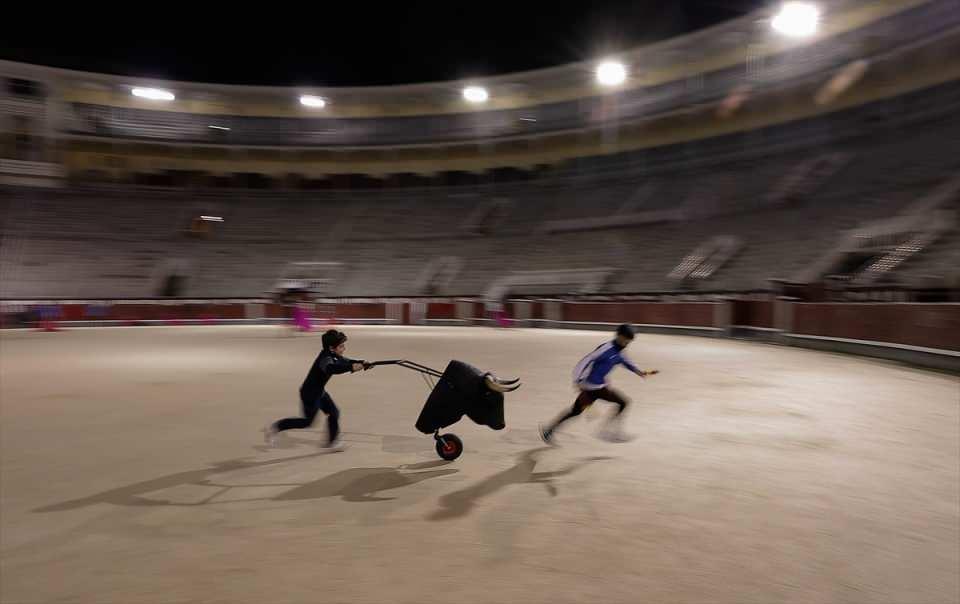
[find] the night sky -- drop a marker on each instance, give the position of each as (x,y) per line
(360,43)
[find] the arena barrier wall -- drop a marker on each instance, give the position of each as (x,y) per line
(920,325)
(917,333)
(920,334)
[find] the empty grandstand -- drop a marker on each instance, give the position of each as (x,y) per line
(763,169)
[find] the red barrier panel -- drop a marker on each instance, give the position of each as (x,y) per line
(73,312)
(927,325)
(275,311)
(374,310)
(173,312)
(441,310)
(752,313)
(140,312)
(227,311)
(690,314)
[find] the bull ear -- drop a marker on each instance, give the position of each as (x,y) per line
(496,386)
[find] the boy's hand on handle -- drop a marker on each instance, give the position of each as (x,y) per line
(644,374)
(360,366)
(367,365)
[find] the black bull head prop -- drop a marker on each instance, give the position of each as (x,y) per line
(465,390)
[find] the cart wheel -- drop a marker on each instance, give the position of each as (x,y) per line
(449,446)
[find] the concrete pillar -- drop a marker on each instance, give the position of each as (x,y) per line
(464,309)
(553,310)
(522,310)
(722,315)
(783,314)
(254,310)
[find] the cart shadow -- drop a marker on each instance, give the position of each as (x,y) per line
(355,485)
(358,485)
(460,503)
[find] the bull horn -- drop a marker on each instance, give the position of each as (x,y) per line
(493,384)
(505,382)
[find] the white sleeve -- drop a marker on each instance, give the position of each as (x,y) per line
(582,369)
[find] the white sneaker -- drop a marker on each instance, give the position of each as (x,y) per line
(271,436)
(615,435)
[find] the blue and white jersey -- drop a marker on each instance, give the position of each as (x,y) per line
(591,372)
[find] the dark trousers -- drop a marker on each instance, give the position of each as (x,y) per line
(310,410)
(587,398)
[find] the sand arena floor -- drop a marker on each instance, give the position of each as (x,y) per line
(132,470)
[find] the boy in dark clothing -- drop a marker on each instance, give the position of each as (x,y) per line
(313,395)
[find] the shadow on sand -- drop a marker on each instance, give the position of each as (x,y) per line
(362,484)
(460,503)
(354,485)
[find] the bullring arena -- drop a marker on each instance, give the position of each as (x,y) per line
(769,195)
(133,471)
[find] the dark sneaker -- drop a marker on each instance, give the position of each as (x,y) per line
(335,447)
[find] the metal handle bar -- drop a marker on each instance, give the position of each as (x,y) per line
(408,365)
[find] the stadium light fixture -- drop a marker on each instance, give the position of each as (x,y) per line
(476,94)
(153,94)
(796,19)
(316,102)
(611,73)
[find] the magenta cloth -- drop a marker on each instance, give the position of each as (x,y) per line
(301,319)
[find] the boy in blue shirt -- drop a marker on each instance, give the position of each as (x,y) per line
(590,377)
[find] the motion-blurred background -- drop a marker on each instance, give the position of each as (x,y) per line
(760,154)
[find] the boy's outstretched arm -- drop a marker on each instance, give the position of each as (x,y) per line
(343,365)
(629,365)
(358,364)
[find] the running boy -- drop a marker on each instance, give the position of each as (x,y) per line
(313,395)
(590,377)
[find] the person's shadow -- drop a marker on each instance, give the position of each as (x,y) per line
(358,484)
(460,503)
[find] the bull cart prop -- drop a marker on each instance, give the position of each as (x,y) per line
(460,390)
